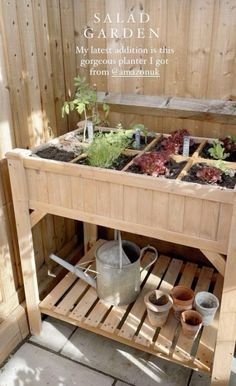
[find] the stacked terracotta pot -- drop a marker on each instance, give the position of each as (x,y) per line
(183,301)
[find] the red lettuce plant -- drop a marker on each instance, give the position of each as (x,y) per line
(153,163)
(209,174)
(229,143)
(174,143)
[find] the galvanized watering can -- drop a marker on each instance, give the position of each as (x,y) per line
(117,268)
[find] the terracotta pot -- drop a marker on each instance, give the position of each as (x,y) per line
(158,304)
(191,322)
(206,304)
(182,299)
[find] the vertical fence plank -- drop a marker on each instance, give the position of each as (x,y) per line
(7,136)
(201,13)
(17,83)
(157,10)
(112,8)
(176,69)
(69,52)
(222,58)
(48,234)
(44,65)
(6,251)
(30,70)
(56,52)
(93,7)
(10,224)
(80,22)
(38,246)
(60,236)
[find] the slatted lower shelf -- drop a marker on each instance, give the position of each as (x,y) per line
(73,301)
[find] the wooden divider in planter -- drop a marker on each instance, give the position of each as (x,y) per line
(201,216)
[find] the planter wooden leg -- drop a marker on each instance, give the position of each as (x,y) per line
(227,321)
(21,208)
(225,339)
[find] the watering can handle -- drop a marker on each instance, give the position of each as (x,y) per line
(149,247)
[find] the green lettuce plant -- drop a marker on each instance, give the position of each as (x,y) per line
(217,151)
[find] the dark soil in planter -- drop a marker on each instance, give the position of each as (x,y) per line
(160,301)
(193,148)
(173,167)
(150,138)
(227,181)
(119,164)
(57,154)
(143,144)
(159,147)
(204,154)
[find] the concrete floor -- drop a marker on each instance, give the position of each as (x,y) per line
(65,356)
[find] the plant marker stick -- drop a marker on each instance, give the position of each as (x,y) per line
(120,249)
(90,131)
(137,138)
(186,145)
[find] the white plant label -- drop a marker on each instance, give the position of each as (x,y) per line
(186,146)
(90,131)
(137,138)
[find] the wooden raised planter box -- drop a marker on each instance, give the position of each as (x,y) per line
(201,216)
(172,210)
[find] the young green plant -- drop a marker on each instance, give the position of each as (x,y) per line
(106,148)
(224,168)
(217,151)
(85,102)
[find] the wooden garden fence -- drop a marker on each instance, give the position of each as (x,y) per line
(38,61)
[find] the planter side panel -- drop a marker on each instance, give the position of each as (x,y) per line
(192,221)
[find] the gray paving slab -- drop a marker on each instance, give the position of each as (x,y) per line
(232,381)
(34,366)
(127,364)
(133,366)
(201,379)
(54,334)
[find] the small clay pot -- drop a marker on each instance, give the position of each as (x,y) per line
(191,322)
(158,304)
(206,304)
(182,299)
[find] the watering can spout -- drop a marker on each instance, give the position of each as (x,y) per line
(74,269)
